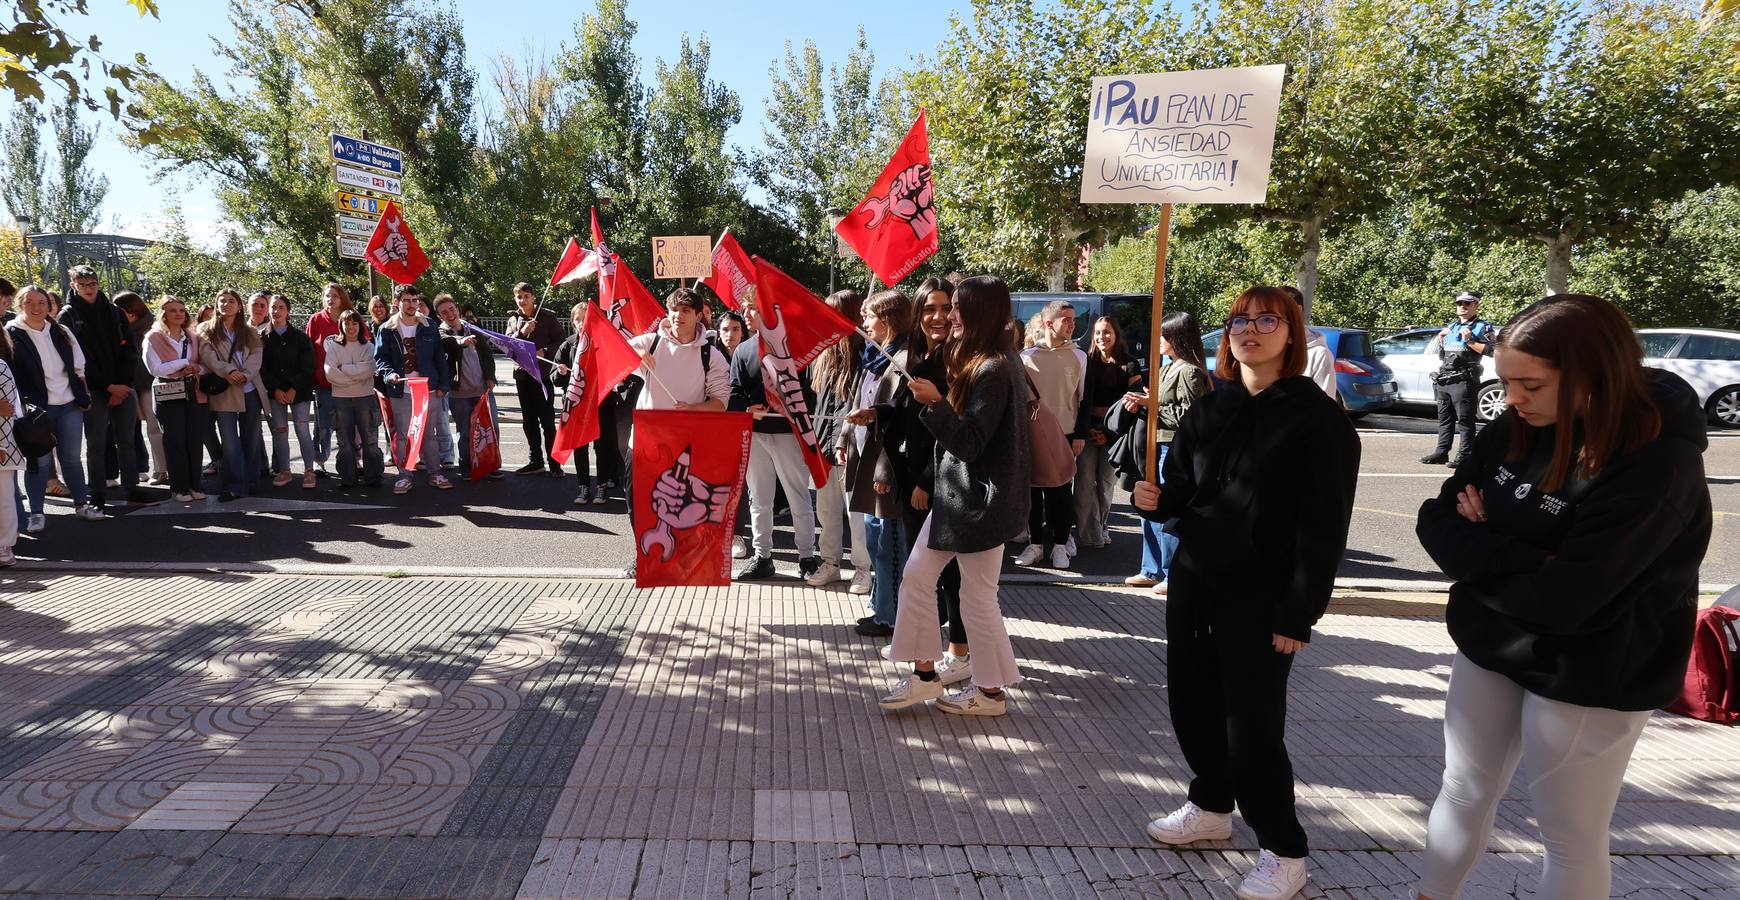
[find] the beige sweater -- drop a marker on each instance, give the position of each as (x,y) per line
(1060,374)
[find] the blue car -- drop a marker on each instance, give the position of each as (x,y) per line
(1363,381)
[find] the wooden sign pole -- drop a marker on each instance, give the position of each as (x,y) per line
(1151,465)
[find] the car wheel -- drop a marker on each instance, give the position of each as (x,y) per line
(1489,403)
(1724,407)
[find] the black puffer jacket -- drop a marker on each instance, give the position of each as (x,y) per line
(287,361)
(1587,594)
(102,332)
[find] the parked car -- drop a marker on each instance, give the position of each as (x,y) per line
(1363,381)
(1414,355)
(1708,358)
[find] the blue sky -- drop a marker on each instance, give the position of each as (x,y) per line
(746,38)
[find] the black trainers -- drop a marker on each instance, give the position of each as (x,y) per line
(757,569)
(873,629)
(1435,459)
(1457,462)
(808,566)
(529,468)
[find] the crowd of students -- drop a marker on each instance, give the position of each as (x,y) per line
(1573,527)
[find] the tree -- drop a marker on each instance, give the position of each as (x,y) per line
(21,176)
(36,50)
(1561,124)
(73,198)
(1008,102)
(1347,119)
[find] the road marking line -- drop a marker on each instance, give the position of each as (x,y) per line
(1384,512)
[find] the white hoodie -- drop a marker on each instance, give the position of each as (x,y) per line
(1319,362)
(676,376)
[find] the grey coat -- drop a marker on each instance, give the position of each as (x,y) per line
(866,467)
(984,465)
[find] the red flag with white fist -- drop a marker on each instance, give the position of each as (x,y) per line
(393,250)
(894,227)
(688,475)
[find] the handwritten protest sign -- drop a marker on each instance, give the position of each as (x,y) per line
(682,257)
(1182,137)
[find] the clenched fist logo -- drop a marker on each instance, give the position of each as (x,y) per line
(682,500)
(908,199)
(394,249)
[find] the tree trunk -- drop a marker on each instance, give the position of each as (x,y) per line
(1063,259)
(1305,272)
(1559,263)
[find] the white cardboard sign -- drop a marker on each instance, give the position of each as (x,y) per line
(1205,136)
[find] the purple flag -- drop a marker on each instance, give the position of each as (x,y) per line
(524,353)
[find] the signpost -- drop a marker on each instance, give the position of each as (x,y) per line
(366,173)
(676,258)
(358,152)
(1179,137)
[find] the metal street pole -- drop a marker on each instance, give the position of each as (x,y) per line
(834,214)
(24,223)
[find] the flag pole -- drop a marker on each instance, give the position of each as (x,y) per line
(1151,463)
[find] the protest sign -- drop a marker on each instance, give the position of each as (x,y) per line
(682,257)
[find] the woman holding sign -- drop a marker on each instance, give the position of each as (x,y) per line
(1260,478)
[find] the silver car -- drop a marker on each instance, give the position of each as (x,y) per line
(1414,355)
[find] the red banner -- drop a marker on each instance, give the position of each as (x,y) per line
(393,250)
(576,263)
(894,227)
(795,327)
(602,359)
(418,390)
(688,476)
(733,274)
(485,441)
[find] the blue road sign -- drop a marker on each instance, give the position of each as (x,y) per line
(359,152)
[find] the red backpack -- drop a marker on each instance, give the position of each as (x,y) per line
(1713,678)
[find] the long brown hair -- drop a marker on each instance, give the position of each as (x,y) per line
(211,330)
(1603,394)
(894,310)
(1118,355)
(982,303)
(931,285)
(1252,303)
(833,370)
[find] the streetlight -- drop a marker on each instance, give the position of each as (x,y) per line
(24,223)
(834,214)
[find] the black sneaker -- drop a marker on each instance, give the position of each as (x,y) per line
(867,620)
(757,569)
(226,497)
(529,468)
(373,484)
(808,566)
(143,497)
(1435,459)
(874,629)
(1457,462)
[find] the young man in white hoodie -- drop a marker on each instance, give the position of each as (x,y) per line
(1058,370)
(1319,359)
(682,370)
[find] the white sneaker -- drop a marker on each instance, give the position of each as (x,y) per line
(827,573)
(1189,824)
(196,495)
(1069,545)
(7,560)
(887,652)
(88,513)
(1059,558)
(911,691)
(37,522)
(954,669)
(739,548)
(1274,878)
(971,701)
(863,582)
(180,497)
(1030,556)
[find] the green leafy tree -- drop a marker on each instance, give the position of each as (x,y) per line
(72,200)
(1007,99)
(21,174)
(1563,123)
(36,50)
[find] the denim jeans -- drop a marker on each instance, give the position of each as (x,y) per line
(462,409)
(886,540)
(430,456)
(358,420)
(282,416)
(442,426)
(69,435)
(240,434)
(1158,547)
(323,414)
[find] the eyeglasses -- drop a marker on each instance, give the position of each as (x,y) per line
(1265,324)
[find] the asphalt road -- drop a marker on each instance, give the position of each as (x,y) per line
(529,522)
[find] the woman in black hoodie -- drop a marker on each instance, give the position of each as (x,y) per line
(1574,532)
(1261,479)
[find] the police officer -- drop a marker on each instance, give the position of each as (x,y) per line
(1457,381)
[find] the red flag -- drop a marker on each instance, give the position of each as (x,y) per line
(393,250)
(485,441)
(602,359)
(795,328)
(894,227)
(688,475)
(733,273)
(576,263)
(418,390)
(627,303)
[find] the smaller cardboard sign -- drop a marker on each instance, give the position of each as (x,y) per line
(682,257)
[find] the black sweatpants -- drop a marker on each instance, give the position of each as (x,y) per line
(1227,687)
(537,418)
(1051,515)
(1455,414)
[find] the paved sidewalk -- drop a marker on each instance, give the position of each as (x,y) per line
(295,736)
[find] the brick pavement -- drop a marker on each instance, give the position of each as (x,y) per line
(288,736)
